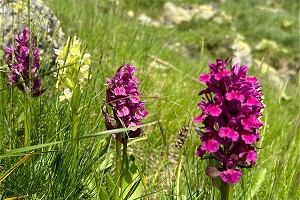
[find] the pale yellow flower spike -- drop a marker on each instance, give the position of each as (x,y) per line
(73,68)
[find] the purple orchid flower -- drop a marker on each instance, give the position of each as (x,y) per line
(123,97)
(21,66)
(231,105)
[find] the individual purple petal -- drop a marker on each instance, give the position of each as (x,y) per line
(210,146)
(252,101)
(214,110)
(251,122)
(234,95)
(24,50)
(199,118)
(249,138)
(251,156)
(240,71)
(123,111)
(135,98)
(228,132)
(144,113)
(231,176)
(132,124)
(109,81)
(221,74)
(204,77)
(252,79)
(9,84)
(120,91)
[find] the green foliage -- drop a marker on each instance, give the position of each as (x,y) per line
(131,184)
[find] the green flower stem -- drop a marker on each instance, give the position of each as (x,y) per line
(74,135)
(125,157)
(26,120)
(118,165)
(74,145)
(75,104)
(226,191)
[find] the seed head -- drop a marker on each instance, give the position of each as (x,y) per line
(182,137)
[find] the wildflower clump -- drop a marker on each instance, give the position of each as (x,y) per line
(73,68)
(231,105)
(23,62)
(123,97)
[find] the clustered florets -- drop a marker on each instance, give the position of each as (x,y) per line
(231,106)
(21,66)
(73,68)
(123,97)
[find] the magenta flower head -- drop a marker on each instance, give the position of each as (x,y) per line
(231,105)
(21,66)
(123,97)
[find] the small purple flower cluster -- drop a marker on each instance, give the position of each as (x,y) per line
(21,66)
(124,98)
(231,105)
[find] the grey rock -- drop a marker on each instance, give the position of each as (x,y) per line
(146,20)
(242,51)
(44,25)
(270,72)
(174,15)
(206,12)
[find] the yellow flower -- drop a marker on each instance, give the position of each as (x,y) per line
(73,68)
(86,59)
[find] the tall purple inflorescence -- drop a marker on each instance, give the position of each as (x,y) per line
(21,66)
(231,105)
(123,97)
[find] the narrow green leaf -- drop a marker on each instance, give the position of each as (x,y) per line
(110,186)
(103,193)
(131,185)
(14,152)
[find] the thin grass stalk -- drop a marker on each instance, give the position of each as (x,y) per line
(118,165)
(6,174)
(178,174)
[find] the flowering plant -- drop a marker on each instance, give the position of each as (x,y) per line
(123,97)
(231,105)
(22,66)
(73,68)
(127,110)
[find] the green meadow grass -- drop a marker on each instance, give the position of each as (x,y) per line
(171,96)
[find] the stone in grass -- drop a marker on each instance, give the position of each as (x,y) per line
(44,25)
